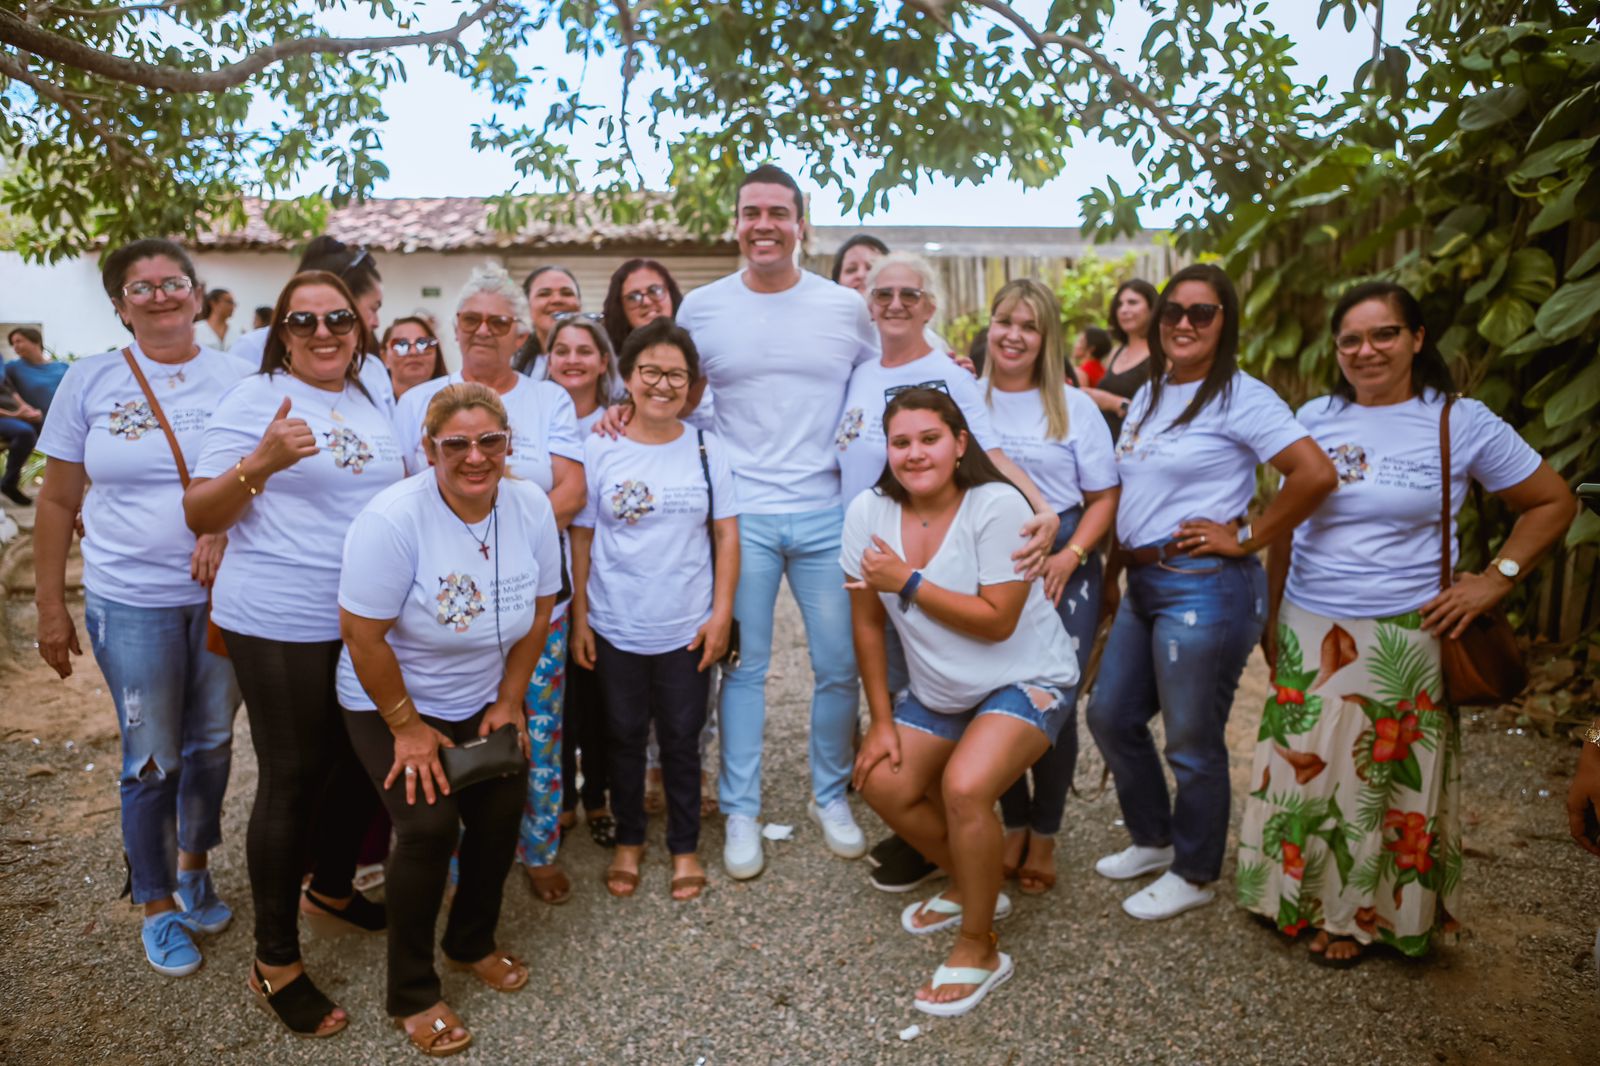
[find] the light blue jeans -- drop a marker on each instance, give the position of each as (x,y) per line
(805,547)
(175,705)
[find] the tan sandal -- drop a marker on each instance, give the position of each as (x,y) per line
(694,881)
(550,883)
(432,1034)
(499,966)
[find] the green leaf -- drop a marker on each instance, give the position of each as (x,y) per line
(1490,109)
(1506,319)
(1531,275)
(1458,227)
(1576,398)
(1566,313)
(1407,772)
(1554,158)
(1557,211)
(1409,620)
(1485,285)
(1250,880)
(1586,530)
(1585,262)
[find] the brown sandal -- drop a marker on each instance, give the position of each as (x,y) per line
(550,884)
(694,881)
(432,1035)
(499,966)
(630,878)
(1042,880)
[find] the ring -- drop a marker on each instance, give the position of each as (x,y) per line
(411,771)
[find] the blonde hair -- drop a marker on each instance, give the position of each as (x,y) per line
(1049,369)
(464,396)
(932,291)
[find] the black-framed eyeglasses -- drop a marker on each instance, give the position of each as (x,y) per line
(910,297)
(939,385)
(420,346)
(499,325)
(304,323)
(649,292)
(677,377)
(140,291)
(1200,315)
(492,444)
(1381,337)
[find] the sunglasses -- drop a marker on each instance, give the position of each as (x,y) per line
(894,390)
(491,445)
(572,316)
(304,323)
(420,346)
(649,292)
(677,377)
(499,325)
(141,291)
(1200,315)
(908,296)
(1380,338)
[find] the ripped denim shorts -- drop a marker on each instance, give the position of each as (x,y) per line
(1042,704)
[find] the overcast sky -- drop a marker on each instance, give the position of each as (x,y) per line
(426,143)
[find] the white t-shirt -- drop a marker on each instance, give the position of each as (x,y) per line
(650,581)
(409,557)
(780,364)
(1372,549)
(861,444)
(950,671)
(1063,469)
(136,546)
(374,375)
(280,575)
(209,337)
(543,424)
(1204,469)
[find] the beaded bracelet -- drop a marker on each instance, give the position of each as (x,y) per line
(239,469)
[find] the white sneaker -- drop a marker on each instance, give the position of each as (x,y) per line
(741,851)
(1132,861)
(839,829)
(1167,897)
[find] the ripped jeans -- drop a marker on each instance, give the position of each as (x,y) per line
(1178,646)
(175,706)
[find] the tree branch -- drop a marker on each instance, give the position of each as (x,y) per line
(115,146)
(102,12)
(54,47)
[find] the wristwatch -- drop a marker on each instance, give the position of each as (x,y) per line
(1508,568)
(1122,409)
(1592,734)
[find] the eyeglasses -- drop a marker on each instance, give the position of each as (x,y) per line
(1380,338)
(894,390)
(304,323)
(677,377)
(564,317)
(420,346)
(361,256)
(499,325)
(908,296)
(491,445)
(649,292)
(142,291)
(1200,315)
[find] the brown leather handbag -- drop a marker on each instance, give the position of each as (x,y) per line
(1484,665)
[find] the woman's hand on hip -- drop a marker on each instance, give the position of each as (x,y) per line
(1202,537)
(1452,611)
(881,742)
(416,758)
(58,638)
(507,712)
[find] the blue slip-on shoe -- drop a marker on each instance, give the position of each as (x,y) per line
(169,946)
(203,909)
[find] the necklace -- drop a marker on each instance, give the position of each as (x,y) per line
(488,530)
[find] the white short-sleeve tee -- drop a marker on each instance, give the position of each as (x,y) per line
(411,558)
(280,575)
(860,441)
(374,375)
(950,671)
(1204,469)
(780,364)
(544,424)
(1063,469)
(1372,549)
(136,545)
(650,580)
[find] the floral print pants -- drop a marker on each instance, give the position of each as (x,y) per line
(539,835)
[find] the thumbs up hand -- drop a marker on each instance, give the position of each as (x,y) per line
(286,441)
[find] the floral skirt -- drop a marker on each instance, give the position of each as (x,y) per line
(539,835)
(1353,827)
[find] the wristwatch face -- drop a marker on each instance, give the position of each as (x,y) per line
(1508,568)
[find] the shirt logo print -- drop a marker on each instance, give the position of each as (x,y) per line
(349,451)
(459,601)
(132,420)
(631,500)
(1350,461)
(849,428)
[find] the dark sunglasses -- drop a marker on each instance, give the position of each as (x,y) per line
(420,346)
(894,390)
(304,323)
(1200,315)
(499,325)
(908,296)
(492,444)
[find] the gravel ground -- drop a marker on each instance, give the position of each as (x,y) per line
(807,962)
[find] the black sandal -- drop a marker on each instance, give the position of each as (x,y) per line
(300,1005)
(360,912)
(603,830)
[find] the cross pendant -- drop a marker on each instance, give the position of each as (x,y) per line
(484,548)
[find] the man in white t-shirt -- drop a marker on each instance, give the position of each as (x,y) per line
(777,345)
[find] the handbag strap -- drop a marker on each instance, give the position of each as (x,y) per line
(1446,579)
(161,416)
(705,471)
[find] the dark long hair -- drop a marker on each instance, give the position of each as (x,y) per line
(1143,288)
(275,356)
(439,369)
(1428,368)
(661,331)
(613,313)
(354,266)
(533,347)
(974,468)
(855,242)
(1223,365)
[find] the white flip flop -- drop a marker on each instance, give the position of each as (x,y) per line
(951,911)
(986,980)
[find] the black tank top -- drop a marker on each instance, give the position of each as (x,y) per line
(1122,383)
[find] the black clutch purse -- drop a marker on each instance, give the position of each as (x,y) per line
(496,755)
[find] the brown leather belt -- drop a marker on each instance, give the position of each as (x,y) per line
(1126,557)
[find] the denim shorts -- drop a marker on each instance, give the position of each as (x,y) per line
(1041,704)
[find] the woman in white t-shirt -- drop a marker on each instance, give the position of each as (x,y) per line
(655,564)
(1354,827)
(929,551)
(1196,600)
(445,597)
(289,457)
(492,319)
(145,577)
(1055,433)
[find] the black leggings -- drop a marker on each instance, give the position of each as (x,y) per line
(313,801)
(583,740)
(479,824)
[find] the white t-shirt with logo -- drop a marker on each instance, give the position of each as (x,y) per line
(951,671)
(1205,469)
(860,442)
(374,375)
(544,424)
(136,544)
(280,575)
(1372,549)
(409,557)
(650,580)
(1063,469)
(780,364)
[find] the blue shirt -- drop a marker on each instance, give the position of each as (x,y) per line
(35,383)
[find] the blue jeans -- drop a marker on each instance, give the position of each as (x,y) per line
(175,705)
(1052,775)
(805,546)
(1178,646)
(20,437)
(1020,701)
